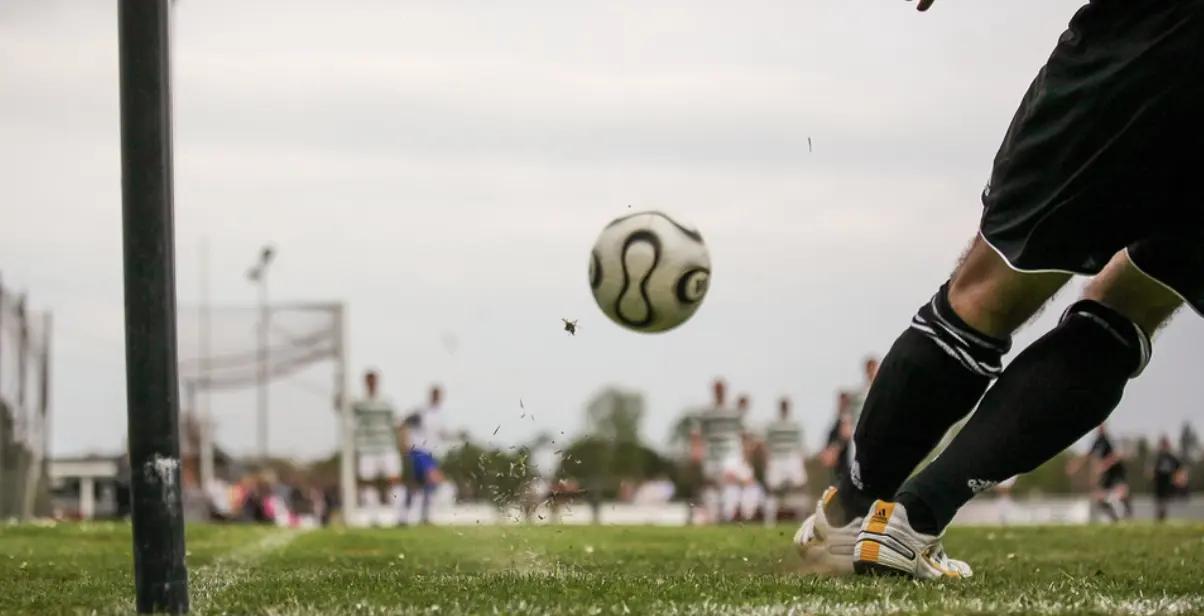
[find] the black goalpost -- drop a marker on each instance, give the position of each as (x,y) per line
(160,579)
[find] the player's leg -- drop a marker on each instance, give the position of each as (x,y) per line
(773,502)
(731,488)
(1125,496)
(937,370)
(752,496)
(712,502)
(1062,386)
(433,478)
(1160,502)
(729,499)
(412,485)
(776,485)
(1057,390)
(1100,497)
(366,474)
(390,466)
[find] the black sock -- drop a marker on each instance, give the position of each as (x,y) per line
(1059,388)
(1127,503)
(928,381)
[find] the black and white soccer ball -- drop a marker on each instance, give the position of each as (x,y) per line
(649,272)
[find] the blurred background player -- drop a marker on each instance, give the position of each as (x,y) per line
(722,434)
(855,401)
(835,455)
(745,475)
(693,480)
(378,457)
(1109,468)
(784,470)
(424,442)
(856,395)
(1170,478)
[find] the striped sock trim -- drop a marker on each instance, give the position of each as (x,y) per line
(976,352)
(1118,326)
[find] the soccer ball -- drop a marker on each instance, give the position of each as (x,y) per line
(649,272)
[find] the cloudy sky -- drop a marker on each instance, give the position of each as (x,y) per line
(443,168)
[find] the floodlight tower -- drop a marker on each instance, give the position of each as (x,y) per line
(258,275)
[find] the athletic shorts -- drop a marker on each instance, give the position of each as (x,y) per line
(378,465)
(422,463)
(1114,475)
(782,472)
(732,465)
(1106,150)
(692,480)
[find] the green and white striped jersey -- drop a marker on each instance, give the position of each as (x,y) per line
(375,426)
(784,437)
(722,430)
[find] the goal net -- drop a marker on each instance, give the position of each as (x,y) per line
(221,350)
(220,347)
(24,407)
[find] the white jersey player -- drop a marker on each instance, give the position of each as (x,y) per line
(424,445)
(784,469)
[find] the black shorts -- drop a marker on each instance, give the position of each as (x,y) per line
(1115,475)
(1106,152)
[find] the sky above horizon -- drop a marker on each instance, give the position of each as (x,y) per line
(444,167)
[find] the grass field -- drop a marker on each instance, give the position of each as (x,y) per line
(603,570)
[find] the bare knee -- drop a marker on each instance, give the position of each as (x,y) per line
(1123,288)
(994,298)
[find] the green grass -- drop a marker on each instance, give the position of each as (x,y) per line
(613,570)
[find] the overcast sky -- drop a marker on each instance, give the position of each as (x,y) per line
(444,167)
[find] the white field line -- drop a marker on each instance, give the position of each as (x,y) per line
(229,570)
(226,571)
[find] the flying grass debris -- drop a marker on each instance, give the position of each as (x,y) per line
(570,326)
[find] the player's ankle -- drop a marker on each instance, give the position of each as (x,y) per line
(849,504)
(920,516)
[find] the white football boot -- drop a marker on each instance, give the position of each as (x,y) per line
(887,544)
(825,548)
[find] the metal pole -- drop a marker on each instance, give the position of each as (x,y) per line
(203,415)
(39,440)
(21,423)
(1,340)
(87,497)
(47,355)
(152,388)
(21,415)
(3,419)
(207,471)
(263,363)
(347,486)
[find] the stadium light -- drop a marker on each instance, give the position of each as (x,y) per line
(258,275)
(152,389)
